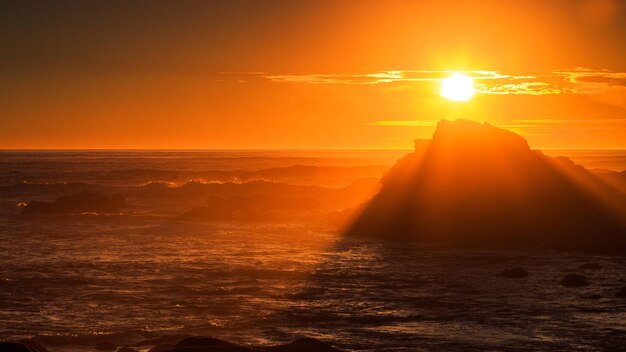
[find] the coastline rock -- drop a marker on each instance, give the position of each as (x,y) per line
(515,273)
(574,280)
(161,340)
(17,347)
(303,345)
(126,349)
(162,347)
(476,185)
(33,345)
(207,344)
(83,202)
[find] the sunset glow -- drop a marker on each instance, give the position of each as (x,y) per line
(312,175)
(220,74)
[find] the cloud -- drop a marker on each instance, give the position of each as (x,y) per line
(530,127)
(573,81)
(526,127)
(390,76)
(528,88)
(420,123)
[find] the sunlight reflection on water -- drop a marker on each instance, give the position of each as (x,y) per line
(260,284)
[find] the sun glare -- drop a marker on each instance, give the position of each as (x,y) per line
(457,87)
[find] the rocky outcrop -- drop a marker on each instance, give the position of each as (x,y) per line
(22,346)
(209,344)
(84,202)
(477,185)
(303,345)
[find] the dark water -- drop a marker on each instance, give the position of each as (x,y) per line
(78,280)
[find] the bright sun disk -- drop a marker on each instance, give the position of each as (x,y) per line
(457,87)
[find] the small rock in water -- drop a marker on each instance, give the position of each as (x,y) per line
(162,340)
(591,266)
(303,345)
(106,346)
(514,273)
(209,344)
(34,345)
(16,347)
(205,344)
(574,280)
(126,349)
(24,345)
(621,293)
(162,347)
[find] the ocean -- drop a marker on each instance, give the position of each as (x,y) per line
(156,269)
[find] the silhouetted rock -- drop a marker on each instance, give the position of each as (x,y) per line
(162,347)
(78,203)
(126,349)
(33,345)
(591,266)
(621,293)
(106,346)
(477,185)
(17,347)
(514,273)
(615,179)
(207,344)
(166,339)
(303,345)
(574,280)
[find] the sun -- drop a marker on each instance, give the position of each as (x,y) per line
(457,87)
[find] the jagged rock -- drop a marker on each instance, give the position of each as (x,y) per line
(162,347)
(18,347)
(167,339)
(126,349)
(515,273)
(207,344)
(303,345)
(574,280)
(34,345)
(75,204)
(477,185)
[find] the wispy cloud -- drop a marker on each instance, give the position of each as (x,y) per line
(526,127)
(573,81)
(538,127)
(391,76)
(420,123)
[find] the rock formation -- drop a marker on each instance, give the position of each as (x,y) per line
(477,185)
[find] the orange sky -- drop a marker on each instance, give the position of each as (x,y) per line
(306,74)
